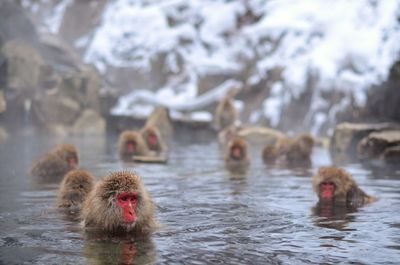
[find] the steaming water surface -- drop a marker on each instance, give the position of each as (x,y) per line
(209,215)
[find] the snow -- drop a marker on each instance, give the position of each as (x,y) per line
(346,45)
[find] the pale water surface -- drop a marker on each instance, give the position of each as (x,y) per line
(209,215)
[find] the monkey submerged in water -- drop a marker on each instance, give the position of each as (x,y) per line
(237,154)
(74,189)
(153,139)
(119,203)
(56,163)
(131,143)
(291,152)
(335,186)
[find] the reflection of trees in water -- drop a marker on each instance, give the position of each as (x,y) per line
(334,216)
(119,250)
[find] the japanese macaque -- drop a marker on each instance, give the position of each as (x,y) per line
(227,134)
(119,203)
(161,119)
(153,139)
(225,113)
(74,189)
(335,186)
(292,152)
(237,154)
(131,143)
(299,151)
(56,163)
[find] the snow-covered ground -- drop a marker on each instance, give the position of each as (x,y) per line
(345,45)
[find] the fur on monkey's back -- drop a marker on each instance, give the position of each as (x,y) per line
(100,210)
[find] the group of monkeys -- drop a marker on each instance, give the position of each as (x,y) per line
(119,202)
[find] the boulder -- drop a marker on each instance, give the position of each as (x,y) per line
(347,136)
(15,24)
(52,108)
(377,144)
(3,135)
(23,63)
(84,87)
(3,104)
(260,136)
(391,155)
(89,123)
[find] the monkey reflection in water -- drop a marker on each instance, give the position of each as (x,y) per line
(119,251)
(338,196)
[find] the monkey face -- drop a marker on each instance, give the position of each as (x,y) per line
(72,161)
(152,141)
(237,152)
(327,190)
(128,202)
(130,147)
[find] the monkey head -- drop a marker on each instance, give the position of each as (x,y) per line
(332,184)
(151,136)
(74,188)
(119,202)
(69,154)
(238,149)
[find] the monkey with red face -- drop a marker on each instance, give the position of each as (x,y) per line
(56,163)
(153,139)
(131,143)
(237,154)
(335,186)
(119,203)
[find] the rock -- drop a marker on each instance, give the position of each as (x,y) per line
(55,109)
(84,87)
(347,136)
(391,155)
(59,54)
(260,136)
(80,19)
(3,135)
(15,24)
(3,104)
(23,64)
(376,144)
(89,123)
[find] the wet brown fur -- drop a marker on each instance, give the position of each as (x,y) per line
(126,136)
(239,142)
(347,191)
(74,189)
(160,147)
(100,209)
(296,151)
(54,164)
(225,113)
(161,119)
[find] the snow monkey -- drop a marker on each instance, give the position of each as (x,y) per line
(153,139)
(237,153)
(74,188)
(292,152)
(119,203)
(131,143)
(56,163)
(334,185)
(225,113)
